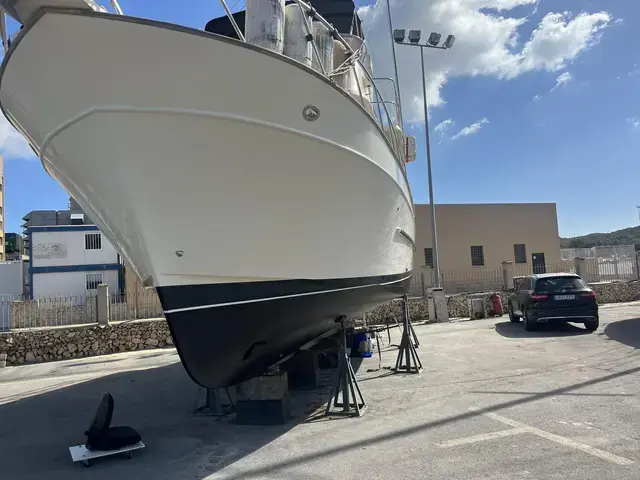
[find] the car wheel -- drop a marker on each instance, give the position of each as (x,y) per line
(592,325)
(512,316)
(529,325)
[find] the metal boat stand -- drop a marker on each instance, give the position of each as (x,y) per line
(214,405)
(408,360)
(345,382)
(416,342)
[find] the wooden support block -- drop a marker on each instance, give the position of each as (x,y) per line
(263,400)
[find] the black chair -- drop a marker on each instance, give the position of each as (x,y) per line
(101,436)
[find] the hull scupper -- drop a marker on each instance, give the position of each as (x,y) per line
(192,154)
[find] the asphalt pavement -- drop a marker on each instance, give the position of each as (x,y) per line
(493,402)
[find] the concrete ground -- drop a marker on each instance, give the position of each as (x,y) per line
(494,402)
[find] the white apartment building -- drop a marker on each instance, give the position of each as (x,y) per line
(71,260)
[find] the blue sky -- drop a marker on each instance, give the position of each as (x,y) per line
(575,145)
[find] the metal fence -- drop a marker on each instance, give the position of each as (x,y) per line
(604,252)
(562,266)
(5,311)
(135,305)
(53,311)
(483,279)
(471,280)
(606,263)
(18,312)
(417,287)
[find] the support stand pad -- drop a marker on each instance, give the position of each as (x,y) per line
(408,360)
(345,382)
(214,405)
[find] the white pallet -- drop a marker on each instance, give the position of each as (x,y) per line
(81,453)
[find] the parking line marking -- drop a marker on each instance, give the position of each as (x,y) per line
(596,452)
(482,437)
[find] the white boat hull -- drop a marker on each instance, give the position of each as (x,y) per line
(191,153)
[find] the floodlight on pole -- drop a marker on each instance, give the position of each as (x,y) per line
(448,43)
(434,39)
(432,42)
(414,36)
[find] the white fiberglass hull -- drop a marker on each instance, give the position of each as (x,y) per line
(191,153)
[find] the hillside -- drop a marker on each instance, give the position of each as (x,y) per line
(626,236)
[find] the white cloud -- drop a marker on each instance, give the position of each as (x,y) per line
(499,5)
(562,80)
(487,43)
(559,38)
(471,129)
(443,126)
(634,122)
(12,144)
(536,97)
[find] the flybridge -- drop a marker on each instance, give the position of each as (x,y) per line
(340,13)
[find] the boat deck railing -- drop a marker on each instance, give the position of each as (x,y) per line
(389,124)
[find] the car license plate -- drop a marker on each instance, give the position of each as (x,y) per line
(565,297)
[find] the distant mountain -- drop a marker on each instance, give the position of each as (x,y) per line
(626,236)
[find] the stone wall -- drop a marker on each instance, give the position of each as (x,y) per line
(614,292)
(46,344)
(458,305)
(41,345)
(418,311)
(32,345)
(617,292)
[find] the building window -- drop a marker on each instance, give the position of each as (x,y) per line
(520,253)
(477,256)
(92,241)
(93,280)
(428,257)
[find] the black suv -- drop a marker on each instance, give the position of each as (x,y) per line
(554,297)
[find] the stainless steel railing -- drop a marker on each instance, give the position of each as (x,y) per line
(380,113)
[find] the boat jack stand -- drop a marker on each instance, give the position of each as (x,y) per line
(345,382)
(214,405)
(407,351)
(416,342)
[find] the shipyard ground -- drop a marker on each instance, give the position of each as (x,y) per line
(494,402)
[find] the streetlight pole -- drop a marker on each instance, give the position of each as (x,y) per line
(432,206)
(434,39)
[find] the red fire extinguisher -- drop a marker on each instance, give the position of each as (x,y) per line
(496,305)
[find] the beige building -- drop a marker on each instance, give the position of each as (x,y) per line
(475,237)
